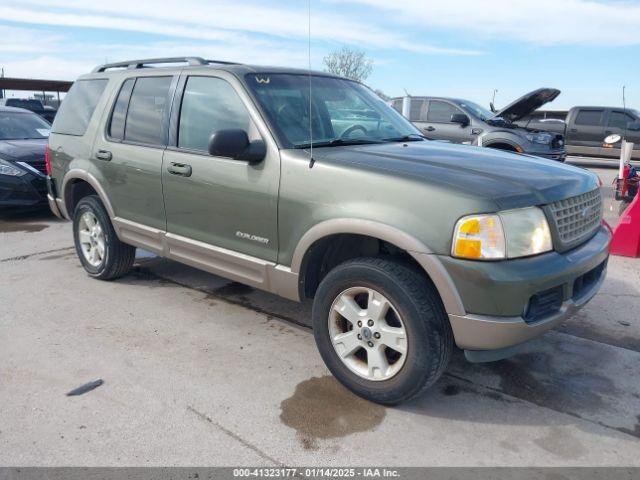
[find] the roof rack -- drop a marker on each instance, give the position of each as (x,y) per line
(133,64)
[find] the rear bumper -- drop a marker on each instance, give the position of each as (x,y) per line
(26,191)
(511,286)
(54,203)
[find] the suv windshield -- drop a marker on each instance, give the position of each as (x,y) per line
(21,126)
(476,110)
(343,112)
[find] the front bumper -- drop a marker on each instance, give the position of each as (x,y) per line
(559,155)
(498,296)
(29,190)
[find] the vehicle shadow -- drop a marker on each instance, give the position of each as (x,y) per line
(578,378)
(30,220)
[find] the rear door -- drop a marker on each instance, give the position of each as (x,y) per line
(616,123)
(222,207)
(129,151)
(585,133)
(436,122)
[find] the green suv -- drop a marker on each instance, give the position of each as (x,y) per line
(309,186)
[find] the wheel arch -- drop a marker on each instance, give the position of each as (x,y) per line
(76,177)
(416,251)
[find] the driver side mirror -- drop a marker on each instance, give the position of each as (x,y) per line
(460,118)
(234,143)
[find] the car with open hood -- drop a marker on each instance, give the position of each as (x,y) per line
(463,121)
(309,186)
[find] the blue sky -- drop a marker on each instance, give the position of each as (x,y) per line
(464,48)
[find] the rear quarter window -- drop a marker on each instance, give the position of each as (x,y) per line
(78,106)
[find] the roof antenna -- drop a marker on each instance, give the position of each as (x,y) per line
(311,159)
(624,109)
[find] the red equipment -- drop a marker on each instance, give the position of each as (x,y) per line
(626,236)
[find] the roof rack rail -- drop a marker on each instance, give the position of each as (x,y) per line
(133,64)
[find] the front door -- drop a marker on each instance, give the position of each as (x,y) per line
(438,125)
(218,207)
(617,123)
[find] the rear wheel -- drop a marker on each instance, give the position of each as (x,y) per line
(381,329)
(100,251)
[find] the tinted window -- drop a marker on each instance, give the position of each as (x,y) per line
(440,111)
(208,105)
(147,107)
(589,117)
(418,110)
(77,108)
(116,126)
(619,120)
(20,126)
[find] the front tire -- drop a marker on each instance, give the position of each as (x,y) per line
(381,329)
(101,253)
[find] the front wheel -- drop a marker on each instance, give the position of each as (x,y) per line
(101,253)
(381,329)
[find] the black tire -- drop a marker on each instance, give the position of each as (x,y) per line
(118,257)
(428,332)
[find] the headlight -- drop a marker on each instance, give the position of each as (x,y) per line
(543,138)
(508,234)
(7,168)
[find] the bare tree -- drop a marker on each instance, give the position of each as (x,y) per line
(349,63)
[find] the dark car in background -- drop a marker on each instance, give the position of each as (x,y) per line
(462,121)
(23,141)
(585,129)
(32,104)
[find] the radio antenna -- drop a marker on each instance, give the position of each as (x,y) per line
(311,160)
(624,109)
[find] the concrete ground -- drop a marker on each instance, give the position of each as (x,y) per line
(201,371)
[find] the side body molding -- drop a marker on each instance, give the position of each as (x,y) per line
(269,276)
(419,251)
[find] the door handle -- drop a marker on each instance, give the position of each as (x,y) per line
(429,129)
(574,130)
(104,155)
(181,169)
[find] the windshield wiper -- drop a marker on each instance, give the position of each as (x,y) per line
(411,137)
(341,142)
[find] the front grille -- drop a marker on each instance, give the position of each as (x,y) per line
(575,219)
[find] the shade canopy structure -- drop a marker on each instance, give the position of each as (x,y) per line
(36,85)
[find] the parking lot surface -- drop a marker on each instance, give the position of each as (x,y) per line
(198,370)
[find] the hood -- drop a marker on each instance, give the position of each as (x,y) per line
(510,180)
(527,104)
(29,151)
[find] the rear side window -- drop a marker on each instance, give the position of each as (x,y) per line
(590,117)
(619,120)
(440,112)
(77,107)
(209,104)
(418,110)
(119,115)
(145,122)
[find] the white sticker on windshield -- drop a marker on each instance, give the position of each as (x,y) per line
(43,131)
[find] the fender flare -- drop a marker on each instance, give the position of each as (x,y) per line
(78,174)
(414,247)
